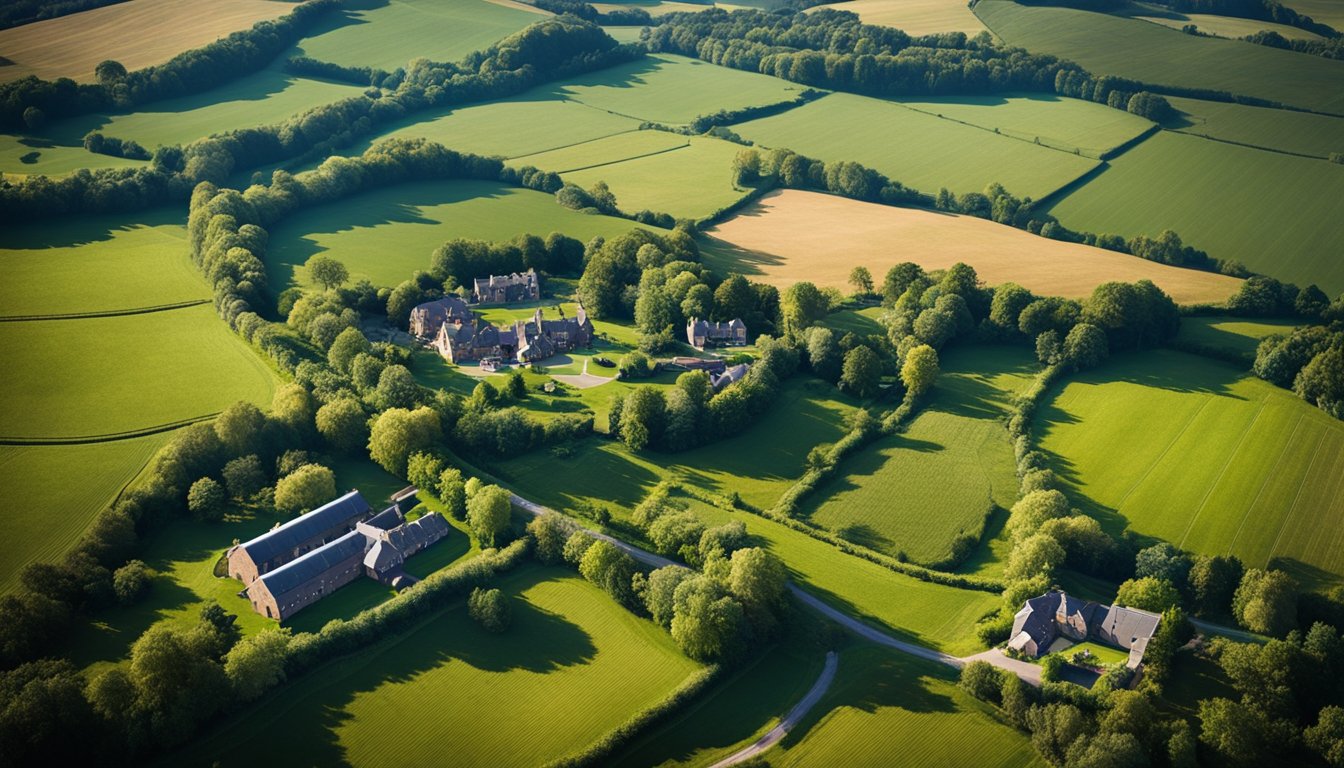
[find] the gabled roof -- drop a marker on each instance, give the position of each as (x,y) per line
(383,557)
(729,376)
(387,519)
(441,310)
(1127,626)
(296,573)
(304,528)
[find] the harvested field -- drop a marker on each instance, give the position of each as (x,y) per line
(915,17)
(791,235)
(138,34)
(1230,26)
(1278,129)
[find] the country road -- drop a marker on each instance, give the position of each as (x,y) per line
(799,711)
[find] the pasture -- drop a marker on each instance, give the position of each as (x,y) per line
(48,515)
(794,235)
(1194,452)
(39,155)
(1239,336)
(1058,122)
(387,234)
(137,34)
(98,264)
(605,151)
(1109,45)
(88,377)
(915,17)
(915,492)
(931,152)
(386,34)
(1301,133)
(1229,26)
(923,717)
(569,642)
(1325,11)
(1275,213)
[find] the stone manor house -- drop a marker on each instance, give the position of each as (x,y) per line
(1045,619)
(460,335)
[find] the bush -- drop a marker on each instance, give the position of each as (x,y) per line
(130,581)
(206,500)
(490,609)
(982,680)
(306,488)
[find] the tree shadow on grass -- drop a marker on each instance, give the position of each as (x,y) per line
(1309,576)
(865,536)
(86,230)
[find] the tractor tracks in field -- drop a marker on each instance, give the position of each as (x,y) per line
(104,313)
(108,437)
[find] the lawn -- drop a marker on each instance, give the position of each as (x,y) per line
(1275,213)
(915,17)
(917,149)
(1055,121)
(387,34)
(388,234)
(1109,45)
(48,514)
(1192,451)
(915,492)
(886,708)
(107,375)
(98,264)
(1101,654)
(1280,129)
(573,666)
(1240,336)
(794,235)
(138,34)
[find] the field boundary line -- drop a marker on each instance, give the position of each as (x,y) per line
(1035,141)
(1249,146)
(791,718)
(109,437)
(104,313)
(574,143)
(1164,453)
(1204,502)
(628,159)
(1264,483)
(1302,483)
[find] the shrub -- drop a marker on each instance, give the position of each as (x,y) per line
(490,609)
(306,488)
(206,499)
(982,680)
(130,581)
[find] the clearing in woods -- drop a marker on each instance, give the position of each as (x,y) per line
(138,34)
(1195,452)
(569,642)
(792,235)
(931,154)
(1277,214)
(915,17)
(1301,133)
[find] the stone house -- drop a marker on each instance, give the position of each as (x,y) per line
(730,375)
(427,318)
(541,338)
(461,342)
(1045,619)
(507,289)
(703,333)
(299,536)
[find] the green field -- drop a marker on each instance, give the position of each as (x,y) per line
(48,515)
(1325,11)
(388,234)
(107,375)
(916,149)
(889,709)
(1192,451)
(1275,213)
(1234,335)
(573,666)
(1298,132)
(387,34)
(1055,121)
(1110,45)
(1229,26)
(916,491)
(98,264)
(33,156)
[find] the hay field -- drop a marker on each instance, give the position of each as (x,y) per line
(1325,11)
(656,8)
(386,235)
(49,494)
(73,379)
(386,34)
(792,235)
(402,700)
(917,491)
(1229,26)
(138,33)
(917,149)
(915,17)
(923,717)
(98,264)
(1194,452)
(1233,335)
(32,156)
(1055,121)
(1109,45)
(1280,129)
(1277,214)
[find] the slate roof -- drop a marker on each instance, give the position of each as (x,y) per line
(418,534)
(1037,620)
(387,519)
(296,573)
(1127,626)
(303,528)
(382,557)
(432,314)
(729,376)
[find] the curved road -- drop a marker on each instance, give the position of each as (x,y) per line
(800,710)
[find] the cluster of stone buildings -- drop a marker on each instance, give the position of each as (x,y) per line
(1055,615)
(507,289)
(294,565)
(703,333)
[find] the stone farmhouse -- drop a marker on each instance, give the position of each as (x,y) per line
(427,318)
(527,341)
(1053,615)
(702,333)
(730,375)
(507,289)
(294,565)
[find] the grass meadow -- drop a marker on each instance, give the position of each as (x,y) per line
(1192,451)
(573,666)
(931,152)
(386,235)
(1110,45)
(923,717)
(48,511)
(793,235)
(137,34)
(40,155)
(1275,213)
(1229,26)
(1279,129)
(913,493)
(101,376)
(1325,11)
(916,17)
(1240,336)
(98,264)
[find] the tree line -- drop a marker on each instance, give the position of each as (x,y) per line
(20,12)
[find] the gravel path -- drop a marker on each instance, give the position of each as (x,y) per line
(799,711)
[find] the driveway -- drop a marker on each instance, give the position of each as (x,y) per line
(799,711)
(1030,673)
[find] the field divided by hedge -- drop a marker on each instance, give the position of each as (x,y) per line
(1280,129)
(915,17)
